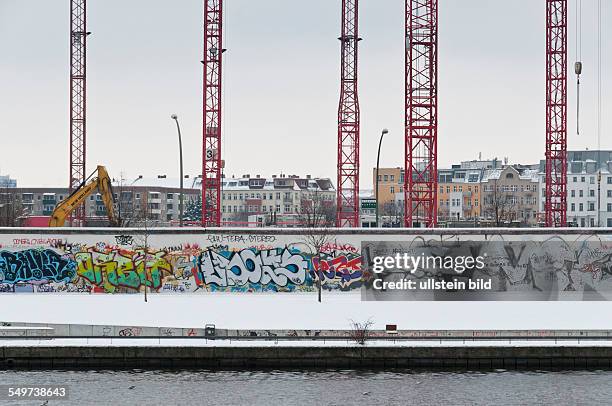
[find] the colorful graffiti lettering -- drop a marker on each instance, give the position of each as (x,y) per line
(114,269)
(35,265)
(212,262)
(341,269)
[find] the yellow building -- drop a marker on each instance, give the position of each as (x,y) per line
(459,191)
(391,182)
(459,194)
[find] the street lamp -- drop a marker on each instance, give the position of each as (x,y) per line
(384,131)
(178,128)
(136,180)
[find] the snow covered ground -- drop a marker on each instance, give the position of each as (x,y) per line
(298,311)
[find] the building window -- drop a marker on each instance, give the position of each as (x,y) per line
(609,207)
(137,195)
(592,222)
(386,178)
(573,193)
(169,196)
(392,178)
(573,206)
(609,180)
(575,179)
(591,206)
(278,208)
(581,193)
(581,207)
(610,193)
(592,180)
(591,193)
(582,179)
(392,189)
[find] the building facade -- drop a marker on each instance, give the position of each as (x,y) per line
(589,188)
(459,193)
(282,198)
(159,204)
(390,184)
(7,182)
(510,196)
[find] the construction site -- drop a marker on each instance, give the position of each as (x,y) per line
(420,183)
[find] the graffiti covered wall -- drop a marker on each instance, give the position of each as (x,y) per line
(172,263)
(176,261)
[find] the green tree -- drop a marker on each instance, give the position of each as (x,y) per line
(193,210)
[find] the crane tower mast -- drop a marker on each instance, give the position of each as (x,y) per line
(347,214)
(421,107)
(556,113)
(212,164)
(78,99)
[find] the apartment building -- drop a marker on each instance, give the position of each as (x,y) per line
(459,193)
(284,195)
(390,183)
(158,202)
(510,195)
(589,188)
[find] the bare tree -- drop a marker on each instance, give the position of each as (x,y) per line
(317,216)
(393,213)
(361,331)
(141,240)
(499,205)
(12,210)
(317,212)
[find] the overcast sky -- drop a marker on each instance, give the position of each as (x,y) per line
(281,85)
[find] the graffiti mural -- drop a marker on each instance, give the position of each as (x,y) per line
(183,262)
(210,263)
(35,265)
(279,268)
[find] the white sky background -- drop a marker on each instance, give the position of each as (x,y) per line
(281,85)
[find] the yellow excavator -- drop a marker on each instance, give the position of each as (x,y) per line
(102,182)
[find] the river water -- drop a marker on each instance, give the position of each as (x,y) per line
(341,388)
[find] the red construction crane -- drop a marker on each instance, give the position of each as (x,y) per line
(211,162)
(347,214)
(421,125)
(556,113)
(78,99)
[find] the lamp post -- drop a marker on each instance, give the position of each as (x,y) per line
(178,128)
(384,131)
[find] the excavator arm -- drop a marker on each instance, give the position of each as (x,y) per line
(102,182)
